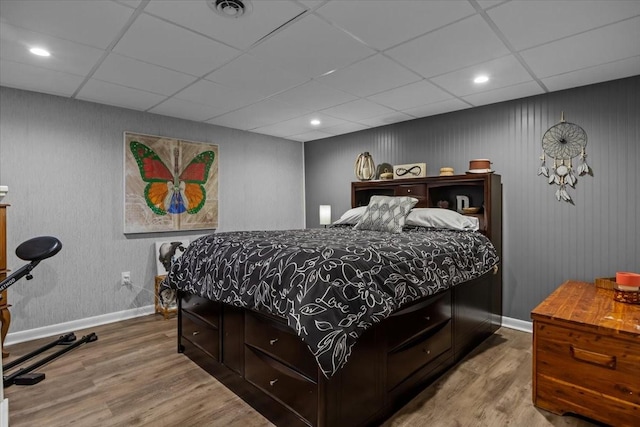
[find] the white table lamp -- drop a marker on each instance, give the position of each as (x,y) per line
(325,215)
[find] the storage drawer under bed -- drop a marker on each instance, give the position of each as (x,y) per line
(286,385)
(417,319)
(416,336)
(202,334)
(276,339)
(207,310)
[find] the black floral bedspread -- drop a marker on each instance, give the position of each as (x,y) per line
(329,284)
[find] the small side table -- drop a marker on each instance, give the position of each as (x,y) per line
(166,311)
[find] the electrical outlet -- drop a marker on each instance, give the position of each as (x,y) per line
(126,278)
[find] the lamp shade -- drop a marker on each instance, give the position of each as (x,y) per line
(325,214)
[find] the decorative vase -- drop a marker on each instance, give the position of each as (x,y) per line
(364,168)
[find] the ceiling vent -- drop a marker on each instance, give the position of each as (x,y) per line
(230,8)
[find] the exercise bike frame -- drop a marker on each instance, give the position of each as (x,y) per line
(35,250)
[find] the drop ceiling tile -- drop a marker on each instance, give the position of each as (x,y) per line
(299,125)
(256,76)
(606,44)
(29,77)
(224,98)
(91,23)
(310,136)
(401,20)
(411,95)
(120,96)
(502,72)
(141,75)
(485,4)
(311,4)
(130,3)
(347,127)
(189,110)
(237,32)
(596,74)
(369,76)
(521,90)
(458,45)
(440,107)
(310,47)
(531,23)
(314,96)
(358,110)
(158,42)
(386,119)
(66,56)
(261,114)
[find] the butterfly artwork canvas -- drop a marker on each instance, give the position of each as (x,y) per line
(170,184)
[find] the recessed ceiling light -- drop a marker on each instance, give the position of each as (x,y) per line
(481,79)
(315,122)
(39,51)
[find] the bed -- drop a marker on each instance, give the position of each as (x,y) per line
(341,326)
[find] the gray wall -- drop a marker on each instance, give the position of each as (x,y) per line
(545,241)
(63,162)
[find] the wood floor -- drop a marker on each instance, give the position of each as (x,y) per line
(133,376)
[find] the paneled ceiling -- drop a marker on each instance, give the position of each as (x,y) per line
(349,64)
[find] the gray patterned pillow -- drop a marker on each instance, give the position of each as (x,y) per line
(386,213)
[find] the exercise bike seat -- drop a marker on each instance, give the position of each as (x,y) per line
(38,248)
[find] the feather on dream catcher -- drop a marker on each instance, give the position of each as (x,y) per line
(562,142)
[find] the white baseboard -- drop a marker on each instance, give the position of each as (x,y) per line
(66,327)
(517,324)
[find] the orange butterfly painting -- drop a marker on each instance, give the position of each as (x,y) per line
(176,187)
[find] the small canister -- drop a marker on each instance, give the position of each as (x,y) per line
(446,171)
(480,164)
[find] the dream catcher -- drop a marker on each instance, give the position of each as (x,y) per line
(563,142)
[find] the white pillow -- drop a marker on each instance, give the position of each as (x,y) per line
(385,213)
(442,218)
(352,216)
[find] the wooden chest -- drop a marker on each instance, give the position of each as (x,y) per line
(586,355)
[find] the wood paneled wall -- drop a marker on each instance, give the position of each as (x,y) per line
(545,241)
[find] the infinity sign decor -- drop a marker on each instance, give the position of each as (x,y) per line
(412,170)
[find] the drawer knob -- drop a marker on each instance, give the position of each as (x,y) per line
(427,318)
(194,333)
(273,382)
(409,191)
(426,351)
(273,341)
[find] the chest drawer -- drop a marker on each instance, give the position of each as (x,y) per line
(201,334)
(277,340)
(602,364)
(282,383)
(407,359)
(202,307)
(408,323)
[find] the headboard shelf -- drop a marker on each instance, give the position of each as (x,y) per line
(483,190)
